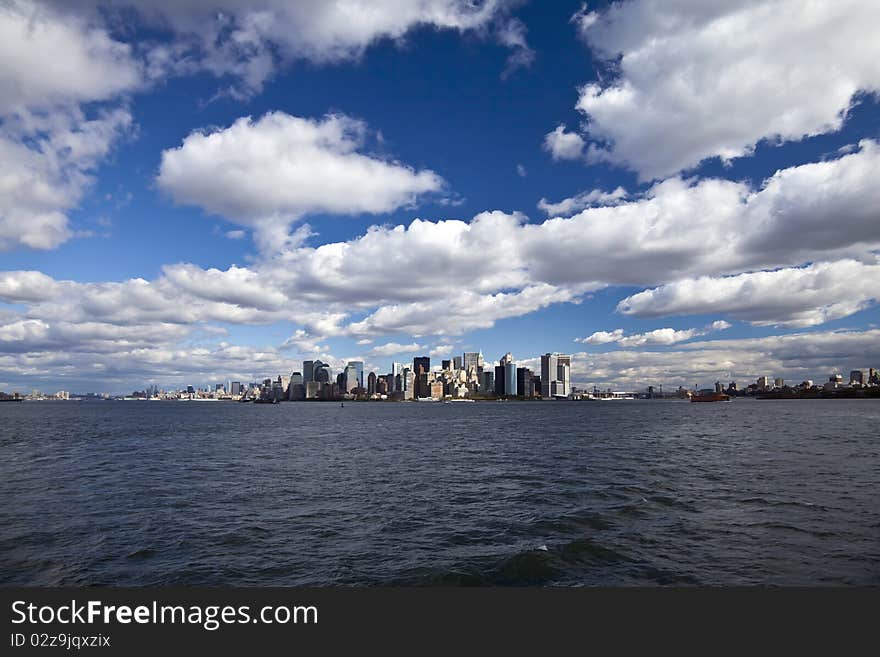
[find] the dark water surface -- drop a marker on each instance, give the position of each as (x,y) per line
(141,493)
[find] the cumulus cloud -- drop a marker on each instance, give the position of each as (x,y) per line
(269,172)
(794,297)
(49,146)
(794,357)
(48,60)
(568,206)
(680,228)
(662,336)
(394,348)
(697,80)
(46,165)
(250,41)
(564,145)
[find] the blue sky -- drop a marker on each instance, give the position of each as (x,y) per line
(197,191)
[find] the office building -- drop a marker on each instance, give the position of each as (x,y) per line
(472,360)
(510,386)
(500,380)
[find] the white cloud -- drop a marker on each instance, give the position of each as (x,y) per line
(602,337)
(50,66)
(662,336)
(568,206)
(46,165)
(703,79)
(512,34)
(794,357)
(249,41)
(521,171)
(440,350)
(269,172)
(48,60)
(394,348)
(794,297)
(683,228)
(564,145)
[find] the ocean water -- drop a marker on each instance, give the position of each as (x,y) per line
(548,494)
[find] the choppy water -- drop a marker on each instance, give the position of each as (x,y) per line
(138,493)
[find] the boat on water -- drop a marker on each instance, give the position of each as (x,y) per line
(710,397)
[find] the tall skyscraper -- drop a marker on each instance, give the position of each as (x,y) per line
(308,371)
(456,362)
(359,369)
(321,373)
(421,365)
(525,386)
(350,379)
(487,383)
(563,373)
(371,383)
(510,378)
(555,375)
(548,373)
(500,380)
(472,359)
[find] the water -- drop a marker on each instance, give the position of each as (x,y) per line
(613,493)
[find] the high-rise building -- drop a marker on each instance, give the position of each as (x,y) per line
(563,373)
(236,389)
(858,376)
(548,373)
(308,371)
(500,380)
(421,365)
(525,386)
(322,373)
(408,378)
(371,383)
(555,375)
(763,382)
(456,362)
(359,369)
(487,383)
(778,382)
(445,365)
(510,387)
(472,359)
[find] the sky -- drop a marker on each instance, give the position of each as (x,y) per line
(195,191)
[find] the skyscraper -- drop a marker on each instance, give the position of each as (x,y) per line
(421,365)
(472,359)
(563,373)
(350,379)
(321,373)
(456,362)
(499,381)
(548,373)
(510,378)
(308,371)
(359,369)
(555,375)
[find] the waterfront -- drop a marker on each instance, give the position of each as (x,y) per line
(553,493)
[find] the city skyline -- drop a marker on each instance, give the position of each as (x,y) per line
(204,196)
